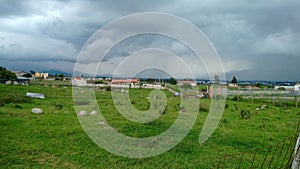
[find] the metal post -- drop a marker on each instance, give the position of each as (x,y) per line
(296,161)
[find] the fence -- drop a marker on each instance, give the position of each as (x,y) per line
(282,155)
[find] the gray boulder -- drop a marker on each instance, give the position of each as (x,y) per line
(37,111)
(82,113)
(93,112)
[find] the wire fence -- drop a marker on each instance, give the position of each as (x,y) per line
(280,155)
(285,154)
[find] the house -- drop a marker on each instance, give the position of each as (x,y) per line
(233,85)
(42,75)
(297,87)
(78,81)
(19,73)
(124,81)
(23,80)
(290,88)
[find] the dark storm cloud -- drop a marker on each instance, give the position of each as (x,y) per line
(253,36)
(14,8)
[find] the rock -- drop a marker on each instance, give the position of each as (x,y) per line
(101,122)
(82,113)
(93,113)
(37,111)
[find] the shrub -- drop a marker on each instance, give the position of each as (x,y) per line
(237,98)
(18,106)
(245,114)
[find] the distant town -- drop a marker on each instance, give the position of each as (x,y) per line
(25,78)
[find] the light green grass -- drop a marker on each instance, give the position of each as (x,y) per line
(56,140)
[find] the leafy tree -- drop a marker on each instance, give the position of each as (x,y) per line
(258,85)
(234,80)
(2,68)
(28,75)
(281,88)
(6,74)
(173,81)
(150,80)
(61,75)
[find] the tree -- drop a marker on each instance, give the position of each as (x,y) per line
(173,81)
(6,74)
(258,84)
(28,75)
(150,80)
(61,75)
(234,80)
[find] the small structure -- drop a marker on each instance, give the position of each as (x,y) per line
(177,94)
(297,87)
(19,73)
(36,95)
(125,81)
(290,88)
(78,81)
(42,75)
(233,85)
(23,80)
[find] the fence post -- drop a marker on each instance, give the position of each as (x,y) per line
(296,161)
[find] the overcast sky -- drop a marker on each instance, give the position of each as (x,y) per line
(256,40)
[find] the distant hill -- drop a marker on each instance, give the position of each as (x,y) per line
(55,72)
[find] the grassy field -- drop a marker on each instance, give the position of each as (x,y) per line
(56,140)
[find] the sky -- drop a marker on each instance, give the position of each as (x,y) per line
(255,40)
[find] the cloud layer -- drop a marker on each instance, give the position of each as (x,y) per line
(261,38)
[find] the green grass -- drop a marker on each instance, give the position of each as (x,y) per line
(56,140)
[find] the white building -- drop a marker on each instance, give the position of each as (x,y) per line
(297,87)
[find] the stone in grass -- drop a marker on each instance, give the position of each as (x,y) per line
(37,111)
(82,113)
(101,122)
(93,113)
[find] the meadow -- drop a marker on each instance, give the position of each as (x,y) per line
(56,139)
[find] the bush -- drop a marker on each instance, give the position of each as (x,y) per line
(245,114)
(237,98)
(18,106)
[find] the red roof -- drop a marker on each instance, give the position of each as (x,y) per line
(124,81)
